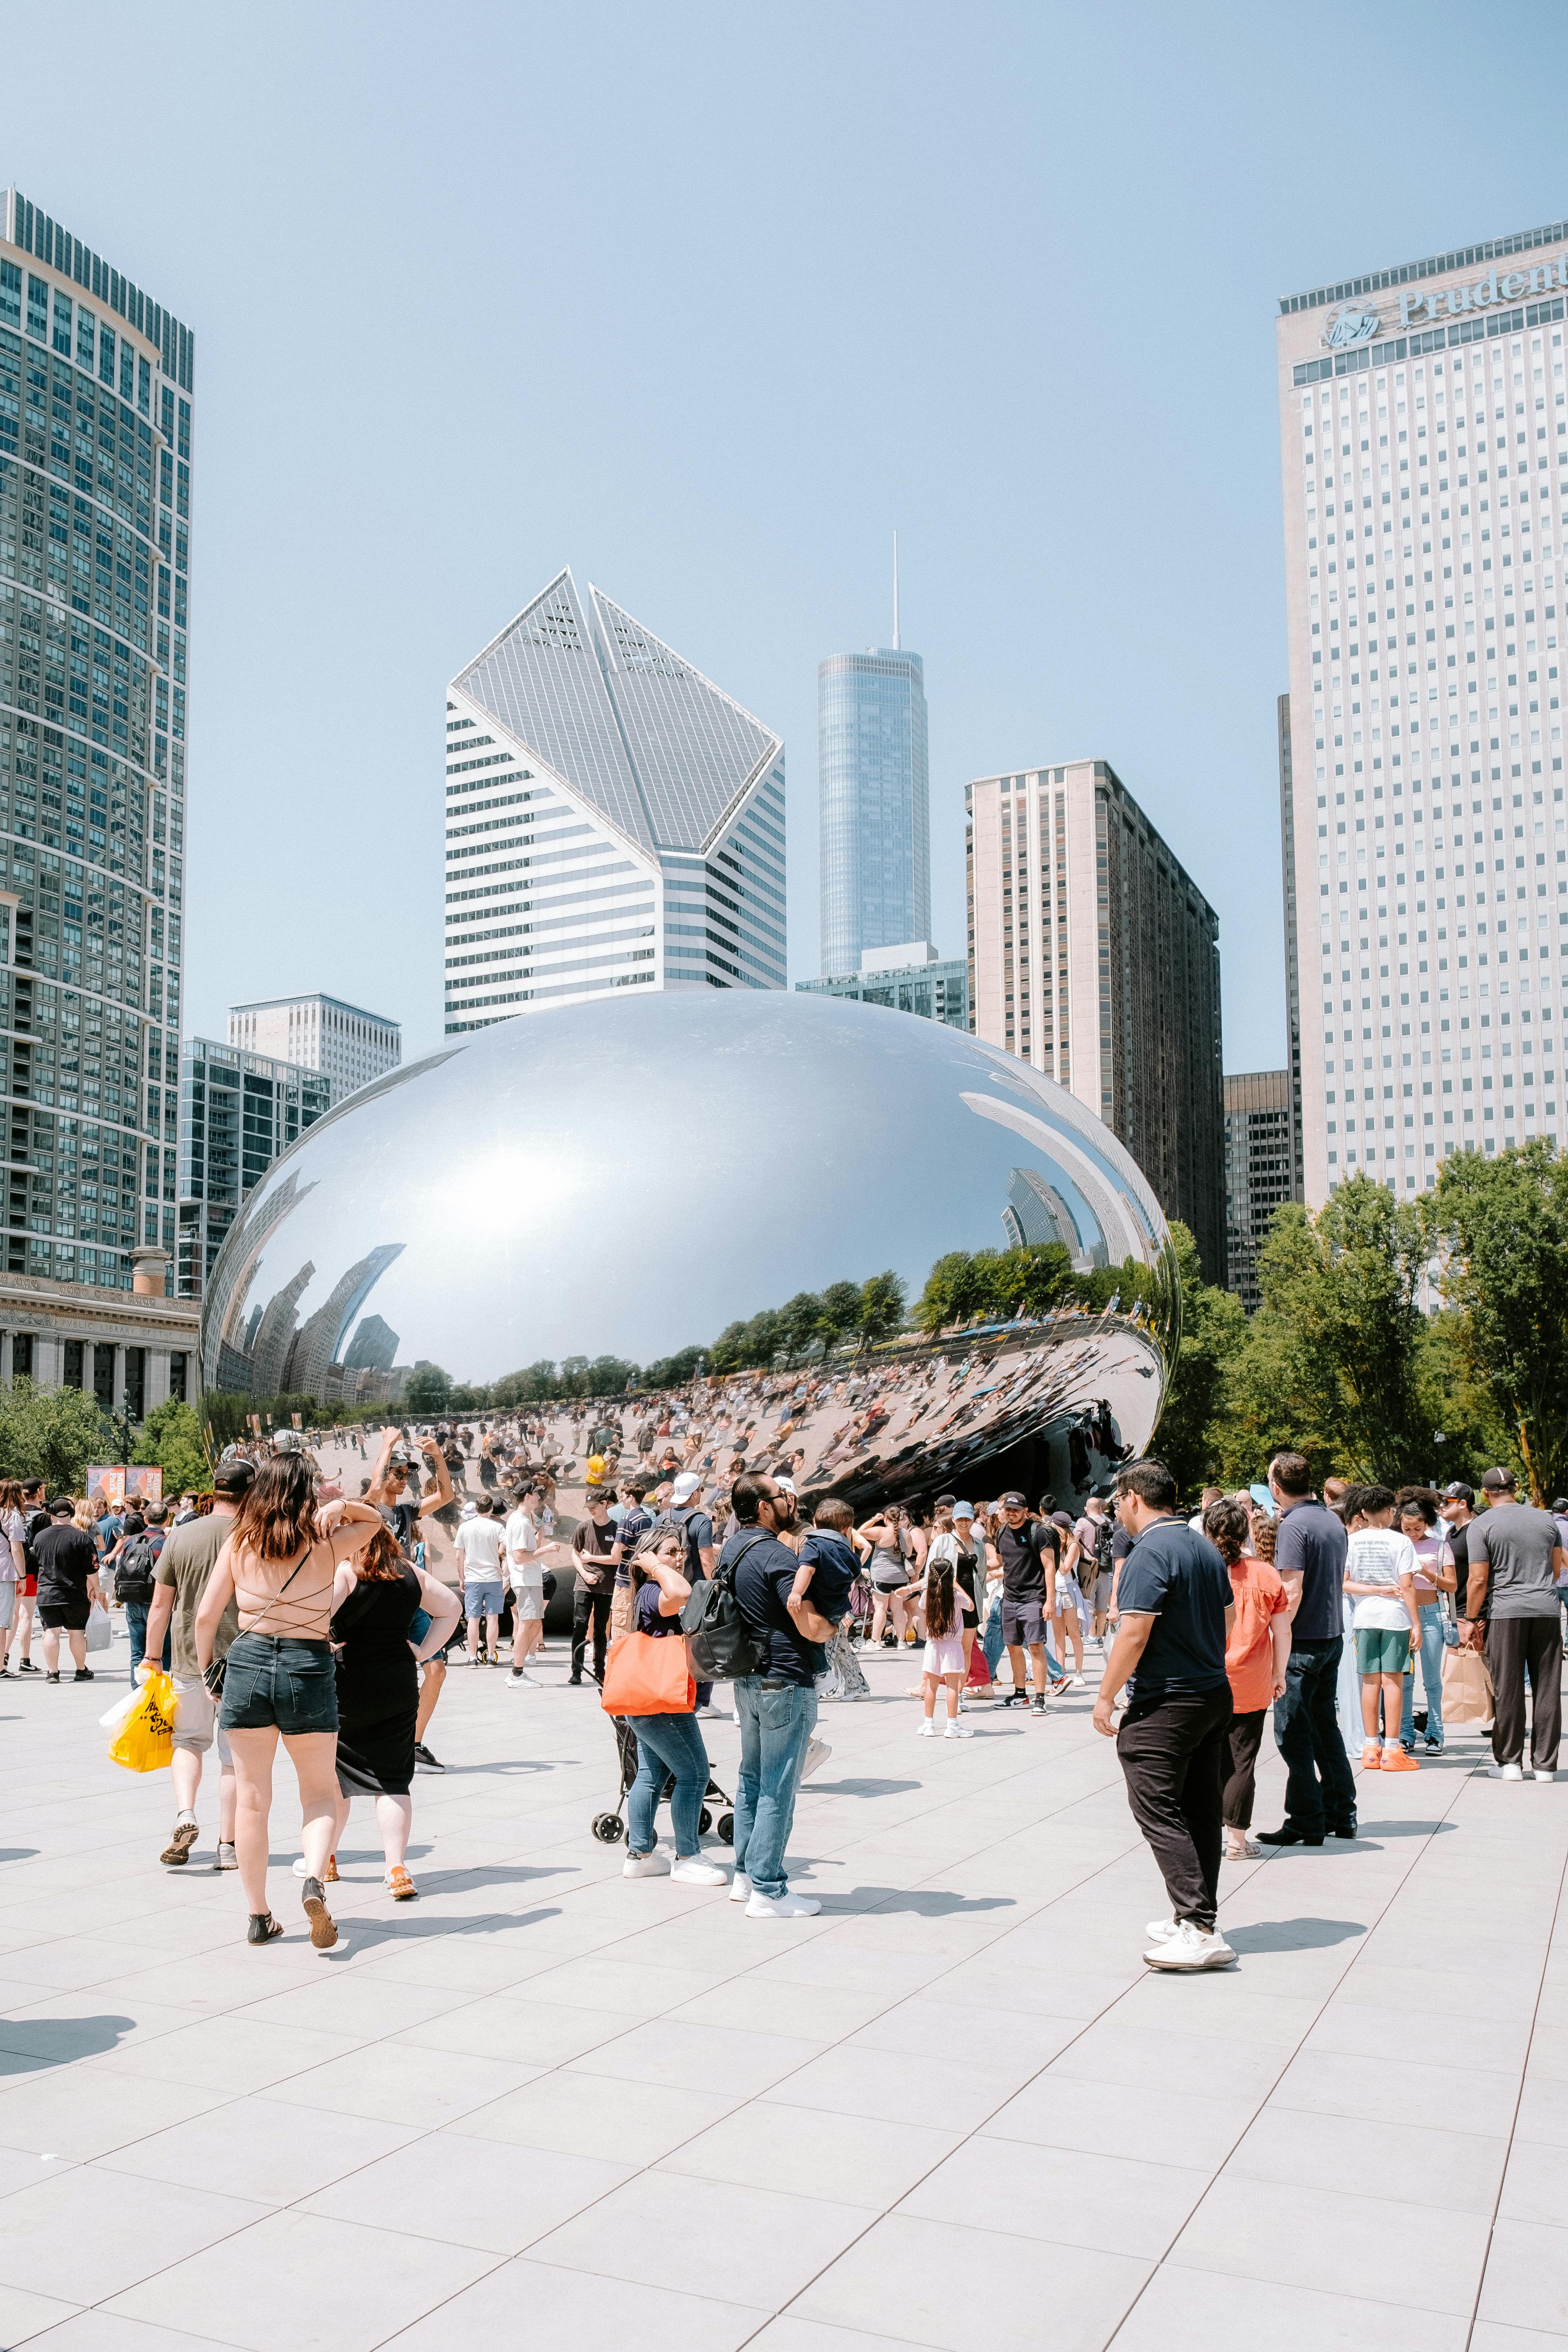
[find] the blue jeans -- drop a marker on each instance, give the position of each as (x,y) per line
(666,1744)
(136,1623)
(1432,1647)
(1307,1734)
(990,1640)
(775,1725)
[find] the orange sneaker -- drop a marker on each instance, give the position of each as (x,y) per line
(1371,1756)
(1394,1760)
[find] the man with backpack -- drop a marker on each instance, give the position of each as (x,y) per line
(1096,1532)
(133,1560)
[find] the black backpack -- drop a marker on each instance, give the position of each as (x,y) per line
(724,1646)
(1104,1539)
(134,1570)
(32,1527)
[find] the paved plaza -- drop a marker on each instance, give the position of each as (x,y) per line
(547,2105)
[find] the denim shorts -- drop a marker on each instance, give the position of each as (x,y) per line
(271,1682)
(482,1597)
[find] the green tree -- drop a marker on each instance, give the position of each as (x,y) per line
(1503,1224)
(610,1376)
(1332,1359)
(170,1436)
(1191,1434)
(881,1308)
(51,1434)
(803,1321)
(840,1311)
(429,1389)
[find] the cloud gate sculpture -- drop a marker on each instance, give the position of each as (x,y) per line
(898,1261)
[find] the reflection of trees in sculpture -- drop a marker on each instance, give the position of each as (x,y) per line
(997,1285)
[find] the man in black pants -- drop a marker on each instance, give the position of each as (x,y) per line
(1309,1555)
(593,1542)
(1175,1617)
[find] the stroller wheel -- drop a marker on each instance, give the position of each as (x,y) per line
(726,1828)
(704,1822)
(609,1828)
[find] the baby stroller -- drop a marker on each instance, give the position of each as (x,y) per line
(610,1828)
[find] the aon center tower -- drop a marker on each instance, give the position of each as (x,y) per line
(613,820)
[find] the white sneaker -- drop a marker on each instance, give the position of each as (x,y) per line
(517,1678)
(1158,1930)
(1540,1774)
(925,1728)
(1078,1683)
(817,1752)
(740,1886)
(1502,1771)
(695,1871)
(1189,1948)
(956,1730)
(783,1906)
(646,1865)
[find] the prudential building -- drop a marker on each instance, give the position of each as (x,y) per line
(1426,452)
(613,820)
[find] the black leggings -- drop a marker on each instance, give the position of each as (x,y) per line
(1246,1735)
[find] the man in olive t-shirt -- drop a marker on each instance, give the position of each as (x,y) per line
(1515,1558)
(179,1581)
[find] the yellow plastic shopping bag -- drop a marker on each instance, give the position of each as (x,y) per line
(147,1738)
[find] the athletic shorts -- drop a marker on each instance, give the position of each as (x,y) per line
(195,1719)
(29,1586)
(271,1682)
(482,1598)
(1379,1651)
(1023,1624)
(1102,1584)
(527,1597)
(63,1616)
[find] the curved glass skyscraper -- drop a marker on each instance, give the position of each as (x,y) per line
(874,813)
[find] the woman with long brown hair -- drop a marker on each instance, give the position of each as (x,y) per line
(387,1617)
(279,1566)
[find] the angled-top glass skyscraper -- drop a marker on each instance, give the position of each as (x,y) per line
(613,820)
(94,519)
(875,811)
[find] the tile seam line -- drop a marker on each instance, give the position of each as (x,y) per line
(1278,1855)
(1513,2122)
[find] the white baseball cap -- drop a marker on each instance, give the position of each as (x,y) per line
(686,1485)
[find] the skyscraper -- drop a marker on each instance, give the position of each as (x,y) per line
(348,1045)
(875,812)
(613,820)
(1093,955)
(96,427)
(1424,442)
(1258,1173)
(237,1112)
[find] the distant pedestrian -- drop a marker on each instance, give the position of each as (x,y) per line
(1516,1558)
(1309,1554)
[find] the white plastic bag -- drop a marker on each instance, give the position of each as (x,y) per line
(120,1710)
(100,1633)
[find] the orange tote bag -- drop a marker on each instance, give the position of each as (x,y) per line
(647,1675)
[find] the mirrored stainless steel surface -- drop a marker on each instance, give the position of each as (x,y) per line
(667,1187)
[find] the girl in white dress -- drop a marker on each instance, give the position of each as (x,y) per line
(942,1604)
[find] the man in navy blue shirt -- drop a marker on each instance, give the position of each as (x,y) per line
(1309,1555)
(778,1705)
(1175,1612)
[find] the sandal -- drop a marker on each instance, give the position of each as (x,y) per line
(323,1927)
(263,1928)
(399,1885)
(329,1874)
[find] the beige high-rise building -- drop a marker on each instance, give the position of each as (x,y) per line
(1095,956)
(1425,440)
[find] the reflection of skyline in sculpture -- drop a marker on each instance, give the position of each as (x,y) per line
(1037,1212)
(373,1348)
(526,1242)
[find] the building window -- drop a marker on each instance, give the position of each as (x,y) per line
(177,1375)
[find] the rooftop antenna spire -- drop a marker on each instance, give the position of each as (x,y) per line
(894,591)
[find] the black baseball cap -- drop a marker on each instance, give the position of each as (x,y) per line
(1013,1501)
(1499,1481)
(1458,1492)
(234,1477)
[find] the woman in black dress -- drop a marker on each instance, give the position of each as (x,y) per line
(386,1618)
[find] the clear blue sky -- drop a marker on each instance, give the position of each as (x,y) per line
(706,300)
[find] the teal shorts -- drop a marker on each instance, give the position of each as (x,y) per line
(1379,1652)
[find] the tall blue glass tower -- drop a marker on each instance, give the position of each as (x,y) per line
(874,813)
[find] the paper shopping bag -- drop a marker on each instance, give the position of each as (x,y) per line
(1467,1688)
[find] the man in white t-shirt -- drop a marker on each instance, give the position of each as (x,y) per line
(481,1546)
(526,1553)
(1381,1566)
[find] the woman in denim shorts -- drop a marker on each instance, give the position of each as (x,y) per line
(279,1679)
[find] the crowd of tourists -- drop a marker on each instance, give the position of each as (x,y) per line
(284,1608)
